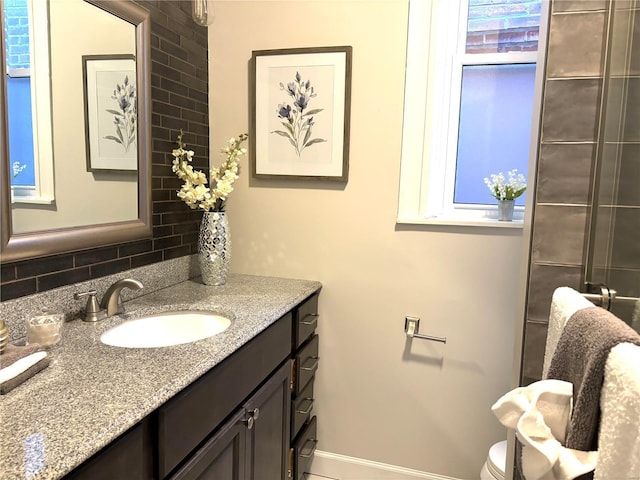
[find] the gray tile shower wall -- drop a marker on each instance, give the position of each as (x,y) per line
(566,165)
(620,179)
(572,95)
(179,93)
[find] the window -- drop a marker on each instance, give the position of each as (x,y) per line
(28,100)
(470,99)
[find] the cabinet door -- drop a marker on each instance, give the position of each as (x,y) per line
(185,421)
(268,437)
(223,457)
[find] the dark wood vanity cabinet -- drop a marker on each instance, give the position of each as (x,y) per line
(249,418)
(251,445)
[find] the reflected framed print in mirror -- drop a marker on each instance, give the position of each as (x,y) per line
(110,106)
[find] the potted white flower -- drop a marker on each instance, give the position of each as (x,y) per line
(506,190)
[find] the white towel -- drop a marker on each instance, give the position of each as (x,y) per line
(19,366)
(540,413)
(564,303)
(619,437)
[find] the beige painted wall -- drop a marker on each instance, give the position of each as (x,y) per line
(82,198)
(418,405)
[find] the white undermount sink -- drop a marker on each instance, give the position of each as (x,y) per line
(166,329)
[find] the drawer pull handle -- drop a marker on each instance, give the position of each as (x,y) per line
(315,316)
(312,448)
(308,409)
(312,367)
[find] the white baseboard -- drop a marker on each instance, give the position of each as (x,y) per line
(342,467)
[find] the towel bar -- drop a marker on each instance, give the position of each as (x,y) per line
(606,297)
(411,325)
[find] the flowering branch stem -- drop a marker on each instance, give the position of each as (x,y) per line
(194,191)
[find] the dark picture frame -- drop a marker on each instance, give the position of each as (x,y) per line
(300,113)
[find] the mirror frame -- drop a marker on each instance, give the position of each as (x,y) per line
(22,246)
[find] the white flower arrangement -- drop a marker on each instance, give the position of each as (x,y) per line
(195,192)
(503,189)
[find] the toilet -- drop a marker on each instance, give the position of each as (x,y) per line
(493,468)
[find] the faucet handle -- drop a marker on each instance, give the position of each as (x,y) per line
(93,313)
(79,295)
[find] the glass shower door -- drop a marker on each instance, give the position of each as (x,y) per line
(614,241)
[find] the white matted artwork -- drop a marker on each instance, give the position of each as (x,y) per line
(110,101)
(301,106)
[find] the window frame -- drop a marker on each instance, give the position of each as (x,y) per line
(431,109)
(42,123)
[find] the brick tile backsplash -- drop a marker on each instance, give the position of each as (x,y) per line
(55,280)
(179,80)
(33,268)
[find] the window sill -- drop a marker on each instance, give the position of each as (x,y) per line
(29,196)
(462,222)
(32,201)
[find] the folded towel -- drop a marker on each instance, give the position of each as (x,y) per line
(22,370)
(580,358)
(565,301)
(12,353)
(540,413)
(619,438)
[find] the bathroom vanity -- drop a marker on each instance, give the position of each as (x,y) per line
(234,406)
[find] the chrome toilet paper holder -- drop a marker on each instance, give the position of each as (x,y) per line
(411,327)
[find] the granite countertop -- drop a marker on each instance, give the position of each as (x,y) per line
(91,393)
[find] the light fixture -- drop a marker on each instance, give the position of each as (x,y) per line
(202,12)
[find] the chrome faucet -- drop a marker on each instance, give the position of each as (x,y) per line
(111,299)
(110,304)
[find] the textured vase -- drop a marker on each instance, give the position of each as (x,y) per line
(505,210)
(214,248)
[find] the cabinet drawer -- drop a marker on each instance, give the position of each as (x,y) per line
(301,454)
(305,320)
(194,413)
(301,409)
(306,362)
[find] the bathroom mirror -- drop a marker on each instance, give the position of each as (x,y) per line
(96,145)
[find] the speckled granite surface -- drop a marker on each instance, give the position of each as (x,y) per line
(91,393)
